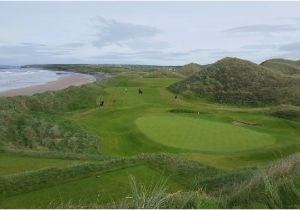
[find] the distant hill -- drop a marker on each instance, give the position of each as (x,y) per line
(283,66)
(233,80)
(190,69)
(108,68)
(7,67)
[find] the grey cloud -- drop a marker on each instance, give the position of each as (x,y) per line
(290,51)
(23,49)
(263,28)
(201,51)
(35,49)
(116,32)
(292,47)
(259,47)
(297,19)
(73,45)
(23,53)
(152,56)
(146,44)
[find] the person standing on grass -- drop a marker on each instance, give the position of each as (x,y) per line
(140,91)
(101,104)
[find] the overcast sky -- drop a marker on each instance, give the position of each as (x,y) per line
(162,33)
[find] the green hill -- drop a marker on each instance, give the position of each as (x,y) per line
(283,66)
(233,80)
(190,69)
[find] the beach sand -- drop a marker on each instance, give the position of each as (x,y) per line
(60,83)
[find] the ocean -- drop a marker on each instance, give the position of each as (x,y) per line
(14,77)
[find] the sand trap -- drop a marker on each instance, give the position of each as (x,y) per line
(240,122)
(61,83)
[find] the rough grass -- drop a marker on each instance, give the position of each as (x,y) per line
(44,133)
(275,186)
(283,66)
(12,164)
(286,111)
(236,81)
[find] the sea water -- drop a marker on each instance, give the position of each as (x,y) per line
(14,77)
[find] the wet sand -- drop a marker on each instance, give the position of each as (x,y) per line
(60,83)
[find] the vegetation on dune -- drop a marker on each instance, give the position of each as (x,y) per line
(33,123)
(286,111)
(190,69)
(69,99)
(233,80)
(283,66)
(27,131)
(151,197)
(156,196)
(275,186)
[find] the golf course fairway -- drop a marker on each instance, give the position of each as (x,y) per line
(201,135)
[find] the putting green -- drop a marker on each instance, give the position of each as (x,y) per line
(202,135)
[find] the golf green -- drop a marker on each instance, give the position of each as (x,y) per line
(202,135)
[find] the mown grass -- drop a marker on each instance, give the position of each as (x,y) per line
(197,134)
(115,123)
(13,164)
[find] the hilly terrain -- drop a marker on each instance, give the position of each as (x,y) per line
(190,69)
(237,81)
(158,149)
(283,66)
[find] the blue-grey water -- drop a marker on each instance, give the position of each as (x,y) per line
(13,78)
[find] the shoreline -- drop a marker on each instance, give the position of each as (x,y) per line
(59,84)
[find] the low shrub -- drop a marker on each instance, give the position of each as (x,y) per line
(35,132)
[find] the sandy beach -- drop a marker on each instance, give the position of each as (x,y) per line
(61,83)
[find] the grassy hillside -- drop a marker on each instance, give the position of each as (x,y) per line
(283,66)
(232,80)
(60,150)
(26,122)
(34,132)
(190,69)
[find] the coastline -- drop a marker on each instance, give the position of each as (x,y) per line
(59,84)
